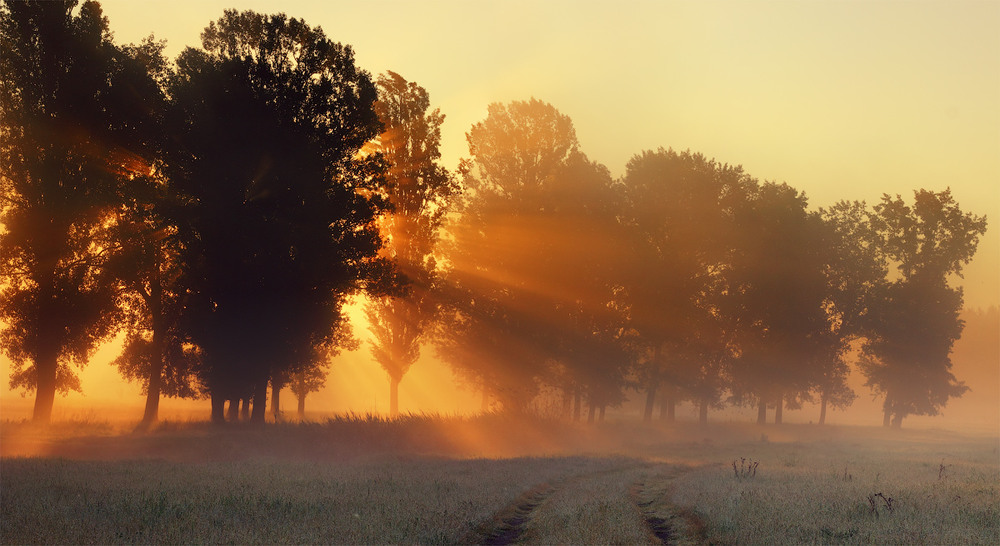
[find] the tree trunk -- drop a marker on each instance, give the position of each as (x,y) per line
(591,414)
(394,397)
(259,409)
(151,414)
(600,414)
(762,411)
(647,415)
(886,413)
(897,420)
(703,411)
(234,410)
(822,408)
(577,402)
(778,406)
(244,404)
(154,383)
(301,408)
(567,404)
(671,404)
(218,409)
(275,400)
(45,385)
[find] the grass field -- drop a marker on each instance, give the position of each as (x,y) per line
(494,479)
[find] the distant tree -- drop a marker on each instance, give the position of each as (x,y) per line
(777,291)
(501,333)
(676,214)
(854,269)
(577,233)
(420,191)
(74,127)
(280,217)
(308,374)
(915,319)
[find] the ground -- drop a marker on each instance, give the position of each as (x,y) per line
(495,480)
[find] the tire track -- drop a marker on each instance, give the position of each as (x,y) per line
(510,524)
(669,523)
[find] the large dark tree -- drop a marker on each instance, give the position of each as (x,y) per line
(74,127)
(915,319)
(279,226)
(419,190)
(146,263)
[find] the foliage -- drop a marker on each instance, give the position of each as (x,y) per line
(777,289)
(269,117)
(915,319)
(677,217)
(420,191)
(74,127)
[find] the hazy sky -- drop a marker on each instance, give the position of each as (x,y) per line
(844,100)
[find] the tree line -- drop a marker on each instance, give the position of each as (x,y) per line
(222,209)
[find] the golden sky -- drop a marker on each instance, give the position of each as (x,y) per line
(844,100)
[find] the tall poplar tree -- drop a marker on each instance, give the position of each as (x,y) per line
(419,190)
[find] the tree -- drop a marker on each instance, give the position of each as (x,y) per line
(280,217)
(915,319)
(74,126)
(854,269)
(500,330)
(776,293)
(677,209)
(145,261)
(419,190)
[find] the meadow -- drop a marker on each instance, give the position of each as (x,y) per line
(495,480)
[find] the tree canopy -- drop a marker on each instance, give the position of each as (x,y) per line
(280,215)
(74,128)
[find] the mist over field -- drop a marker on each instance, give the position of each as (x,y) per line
(658,273)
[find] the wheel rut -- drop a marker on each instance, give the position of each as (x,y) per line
(511,522)
(669,523)
(518,521)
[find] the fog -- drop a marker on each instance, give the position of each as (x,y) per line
(538,269)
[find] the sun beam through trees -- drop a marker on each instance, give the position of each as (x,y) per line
(223,209)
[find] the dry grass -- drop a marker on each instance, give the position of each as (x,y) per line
(820,491)
(429,479)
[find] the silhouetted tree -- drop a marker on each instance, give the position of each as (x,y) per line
(915,319)
(279,225)
(676,216)
(777,291)
(854,269)
(419,190)
(577,261)
(308,373)
(74,126)
(145,261)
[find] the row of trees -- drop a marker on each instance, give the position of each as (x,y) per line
(222,210)
(692,280)
(685,276)
(218,209)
